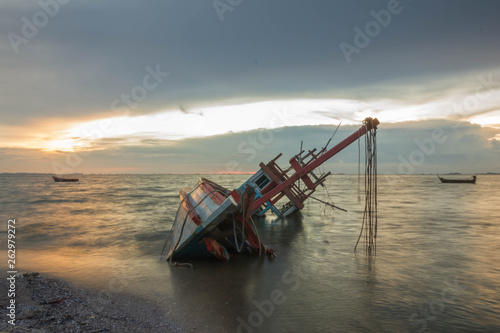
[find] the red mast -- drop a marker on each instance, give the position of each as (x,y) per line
(282,184)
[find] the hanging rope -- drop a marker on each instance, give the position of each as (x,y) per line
(369,226)
(257,234)
(359,168)
(325,148)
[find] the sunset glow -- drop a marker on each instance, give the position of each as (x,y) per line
(206,122)
(491,119)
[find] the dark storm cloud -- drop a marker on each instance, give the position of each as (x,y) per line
(91,52)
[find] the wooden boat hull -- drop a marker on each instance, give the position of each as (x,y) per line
(208,224)
(458,181)
(59,179)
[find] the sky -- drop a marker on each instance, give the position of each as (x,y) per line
(219,86)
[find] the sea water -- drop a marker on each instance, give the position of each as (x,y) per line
(436,268)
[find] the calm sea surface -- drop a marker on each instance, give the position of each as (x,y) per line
(437,266)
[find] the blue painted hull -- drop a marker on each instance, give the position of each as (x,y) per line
(195,249)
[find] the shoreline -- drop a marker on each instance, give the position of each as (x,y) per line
(46,304)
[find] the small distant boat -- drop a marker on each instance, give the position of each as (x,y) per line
(467,181)
(60,179)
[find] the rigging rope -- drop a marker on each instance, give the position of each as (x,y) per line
(257,234)
(238,247)
(359,168)
(369,225)
(325,148)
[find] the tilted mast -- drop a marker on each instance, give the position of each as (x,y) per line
(271,183)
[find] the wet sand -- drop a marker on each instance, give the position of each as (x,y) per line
(45,304)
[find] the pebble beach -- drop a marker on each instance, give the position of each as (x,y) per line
(45,304)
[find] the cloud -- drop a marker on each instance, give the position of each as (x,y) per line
(495,144)
(92,52)
(235,77)
(466,148)
(473,104)
(490,119)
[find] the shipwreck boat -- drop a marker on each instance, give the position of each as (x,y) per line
(214,222)
(60,179)
(469,181)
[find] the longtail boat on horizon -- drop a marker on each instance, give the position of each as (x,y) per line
(60,179)
(214,222)
(458,181)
